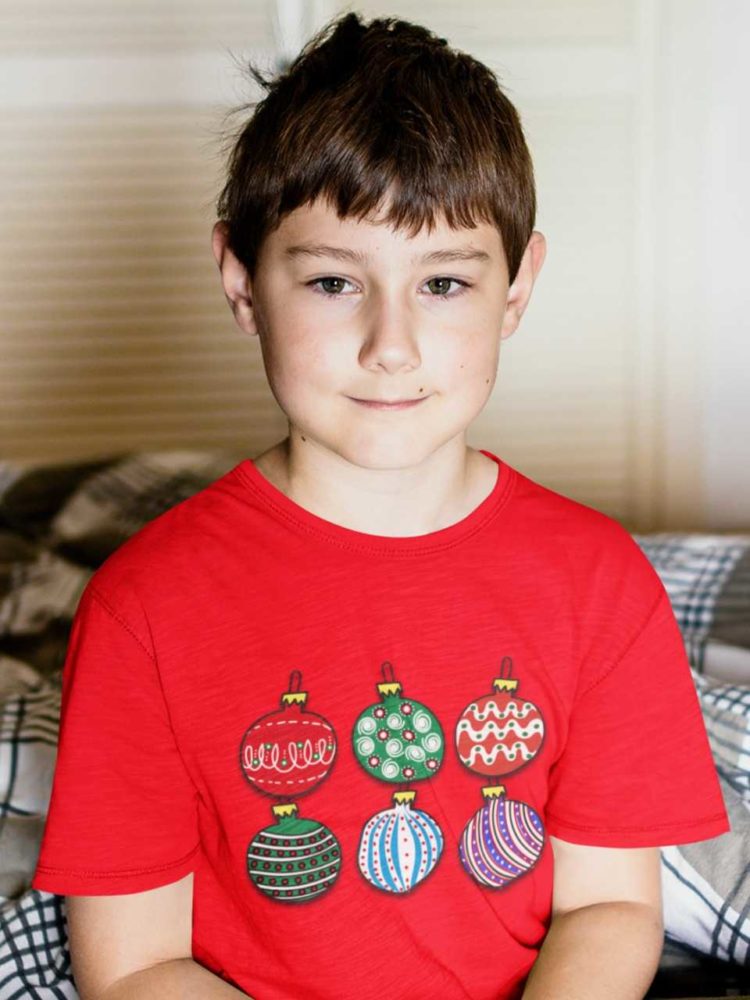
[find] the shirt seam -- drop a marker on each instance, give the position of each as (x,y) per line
(636,829)
(118,874)
(118,618)
(152,657)
(627,648)
(375,548)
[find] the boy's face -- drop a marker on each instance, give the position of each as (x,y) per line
(348,311)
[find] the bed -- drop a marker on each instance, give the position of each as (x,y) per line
(59,522)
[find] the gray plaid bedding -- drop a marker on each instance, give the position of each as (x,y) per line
(58,523)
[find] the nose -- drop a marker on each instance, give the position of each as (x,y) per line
(390,340)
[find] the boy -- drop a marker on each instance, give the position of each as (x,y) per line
(374,714)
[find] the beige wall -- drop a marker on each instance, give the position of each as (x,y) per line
(115,332)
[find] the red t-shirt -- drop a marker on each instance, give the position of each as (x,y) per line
(250,690)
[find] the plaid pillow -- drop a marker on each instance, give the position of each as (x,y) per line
(118,500)
(706,885)
(707,578)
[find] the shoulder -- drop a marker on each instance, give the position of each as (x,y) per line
(168,549)
(587,544)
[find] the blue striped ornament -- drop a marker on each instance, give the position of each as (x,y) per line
(502,841)
(399,847)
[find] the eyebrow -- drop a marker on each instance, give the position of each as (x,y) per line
(358,257)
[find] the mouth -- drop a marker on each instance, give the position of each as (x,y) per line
(396,404)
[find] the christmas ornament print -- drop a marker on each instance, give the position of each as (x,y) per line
(399,739)
(294,860)
(502,841)
(500,732)
(399,847)
(288,752)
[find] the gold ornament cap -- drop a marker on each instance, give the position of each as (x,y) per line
(403,797)
(493,791)
(294,697)
(389,687)
(285,809)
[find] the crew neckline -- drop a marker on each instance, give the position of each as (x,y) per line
(287,510)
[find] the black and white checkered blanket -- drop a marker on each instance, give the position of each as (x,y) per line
(58,523)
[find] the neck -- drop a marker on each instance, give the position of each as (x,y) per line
(398,502)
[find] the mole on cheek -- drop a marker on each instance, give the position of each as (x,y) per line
(421,389)
(303,437)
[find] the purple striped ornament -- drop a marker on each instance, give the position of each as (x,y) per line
(502,841)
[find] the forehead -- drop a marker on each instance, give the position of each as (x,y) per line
(310,229)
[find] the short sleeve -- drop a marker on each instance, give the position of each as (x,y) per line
(637,768)
(122,815)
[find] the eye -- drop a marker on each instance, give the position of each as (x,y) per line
(446,281)
(319,285)
(322,291)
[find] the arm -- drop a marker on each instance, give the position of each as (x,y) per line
(606,934)
(139,945)
(174,980)
(608,949)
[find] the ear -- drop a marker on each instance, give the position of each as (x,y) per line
(235,280)
(519,292)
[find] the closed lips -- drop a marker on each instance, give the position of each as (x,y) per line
(388,402)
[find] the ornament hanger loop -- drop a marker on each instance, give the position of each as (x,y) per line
(387,671)
(295,680)
(506,666)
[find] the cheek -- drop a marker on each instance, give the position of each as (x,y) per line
(472,359)
(301,356)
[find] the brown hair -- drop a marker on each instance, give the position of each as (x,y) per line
(366,109)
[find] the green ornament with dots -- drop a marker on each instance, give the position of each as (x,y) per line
(398,739)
